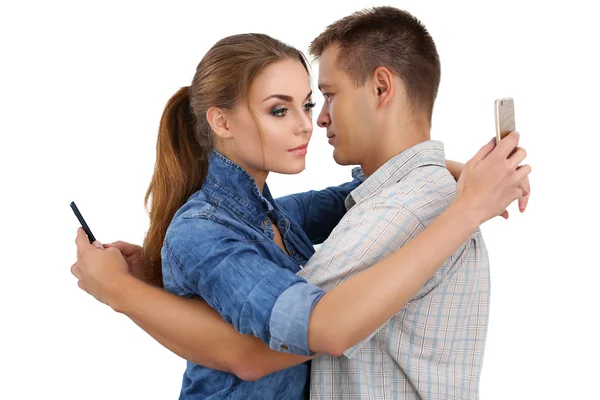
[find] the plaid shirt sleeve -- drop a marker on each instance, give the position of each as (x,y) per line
(374,231)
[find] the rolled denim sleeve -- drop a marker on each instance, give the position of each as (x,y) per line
(319,211)
(209,260)
(290,316)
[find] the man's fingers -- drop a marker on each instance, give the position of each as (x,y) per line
(75,270)
(522,172)
(82,241)
(518,193)
(125,248)
(523,201)
(526,185)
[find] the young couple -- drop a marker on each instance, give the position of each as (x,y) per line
(394,303)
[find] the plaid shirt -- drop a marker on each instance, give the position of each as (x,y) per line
(433,348)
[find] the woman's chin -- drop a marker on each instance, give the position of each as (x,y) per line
(290,168)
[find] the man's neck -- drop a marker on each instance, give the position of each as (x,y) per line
(392,141)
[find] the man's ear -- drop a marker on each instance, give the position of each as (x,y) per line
(383,85)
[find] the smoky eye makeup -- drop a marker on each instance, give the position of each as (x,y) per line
(278,111)
(281,111)
(309,106)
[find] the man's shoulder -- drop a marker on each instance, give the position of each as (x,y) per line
(425,192)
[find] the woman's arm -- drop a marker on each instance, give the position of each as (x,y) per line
(319,211)
(455,168)
(348,313)
(194,331)
(352,310)
(188,327)
(358,306)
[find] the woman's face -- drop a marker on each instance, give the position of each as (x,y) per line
(280,97)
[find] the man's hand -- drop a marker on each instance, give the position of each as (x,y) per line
(135,261)
(98,270)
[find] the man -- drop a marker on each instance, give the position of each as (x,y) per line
(379,71)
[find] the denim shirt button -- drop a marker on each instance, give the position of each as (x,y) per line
(284,347)
(266,222)
(292,252)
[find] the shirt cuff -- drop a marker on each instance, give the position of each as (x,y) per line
(289,319)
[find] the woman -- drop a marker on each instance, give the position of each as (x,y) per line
(248,112)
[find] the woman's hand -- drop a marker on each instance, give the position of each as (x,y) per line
(491,180)
(456,169)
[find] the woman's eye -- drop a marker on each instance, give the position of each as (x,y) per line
(309,106)
(279,112)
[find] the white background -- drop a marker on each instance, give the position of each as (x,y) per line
(82,88)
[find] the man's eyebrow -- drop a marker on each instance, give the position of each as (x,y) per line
(324,86)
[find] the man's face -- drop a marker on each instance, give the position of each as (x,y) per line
(347,111)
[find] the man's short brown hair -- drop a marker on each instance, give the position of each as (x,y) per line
(389,37)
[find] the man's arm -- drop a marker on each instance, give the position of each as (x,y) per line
(194,331)
(350,311)
(455,168)
(188,327)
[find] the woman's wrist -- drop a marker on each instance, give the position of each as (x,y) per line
(465,212)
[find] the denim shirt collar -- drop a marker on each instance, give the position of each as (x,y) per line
(228,183)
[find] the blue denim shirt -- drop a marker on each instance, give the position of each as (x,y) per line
(219,246)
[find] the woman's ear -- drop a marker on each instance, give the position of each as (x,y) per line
(218,122)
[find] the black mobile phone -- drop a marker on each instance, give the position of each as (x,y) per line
(84,225)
